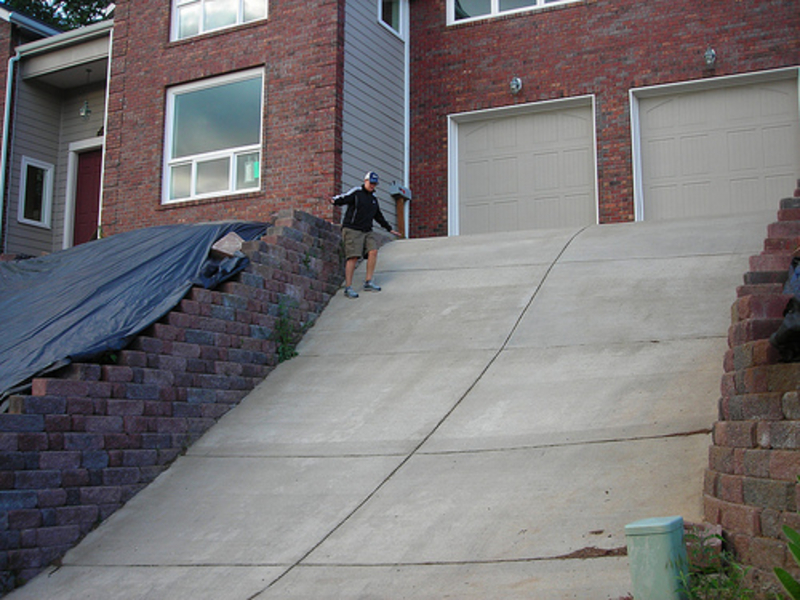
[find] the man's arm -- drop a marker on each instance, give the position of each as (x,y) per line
(346,198)
(384,223)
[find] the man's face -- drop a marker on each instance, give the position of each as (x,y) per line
(369,186)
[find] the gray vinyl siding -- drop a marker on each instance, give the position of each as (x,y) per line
(35,135)
(47,122)
(373,135)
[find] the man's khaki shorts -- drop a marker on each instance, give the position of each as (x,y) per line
(358,243)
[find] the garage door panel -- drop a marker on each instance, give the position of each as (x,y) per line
(662,163)
(506,216)
(474,139)
(776,139)
(748,141)
(744,150)
(695,155)
(578,166)
(575,125)
(475,218)
(777,187)
(504,133)
(505,176)
(545,172)
(664,203)
(475,179)
(545,129)
(576,211)
(534,161)
(699,198)
(544,210)
(745,193)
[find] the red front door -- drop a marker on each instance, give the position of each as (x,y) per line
(87,196)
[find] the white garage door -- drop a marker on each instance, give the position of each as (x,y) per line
(527,171)
(724,151)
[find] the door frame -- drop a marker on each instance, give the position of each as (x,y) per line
(456,119)
(76,148)
(671,89)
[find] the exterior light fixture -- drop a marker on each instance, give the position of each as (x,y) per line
(85,112)
(515,85)
(710,56)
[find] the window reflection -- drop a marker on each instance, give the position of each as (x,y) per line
(472,8)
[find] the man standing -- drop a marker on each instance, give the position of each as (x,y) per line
(359,240)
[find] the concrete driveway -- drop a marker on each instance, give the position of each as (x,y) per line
(484,427)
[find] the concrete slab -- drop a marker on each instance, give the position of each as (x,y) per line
(353,405)
(428,311)
(508,505)
(233,511)
(148,583)
(619,301)
(484,427)
(740,235)
(596,579)
(588,393)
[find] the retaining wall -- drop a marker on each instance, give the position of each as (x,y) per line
(89,437)
(751,481)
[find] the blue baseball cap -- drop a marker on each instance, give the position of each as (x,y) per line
(372,177)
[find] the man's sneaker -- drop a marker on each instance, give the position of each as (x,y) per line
(371,287)
(350,292)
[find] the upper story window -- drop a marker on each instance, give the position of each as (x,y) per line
(35,193)
(213,137)
(391,13)
(193,17)
(461,10)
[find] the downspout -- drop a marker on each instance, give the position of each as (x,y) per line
(105,131)
(10,75)
(407,109)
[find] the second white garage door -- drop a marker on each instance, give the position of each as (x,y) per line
(528,170)
(734,149)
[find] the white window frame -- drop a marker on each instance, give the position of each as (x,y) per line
(177,4)
(47,200)
(495,10)
(402,16)
(230,153)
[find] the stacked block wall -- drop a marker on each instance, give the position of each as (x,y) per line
(751,485)
(89,437)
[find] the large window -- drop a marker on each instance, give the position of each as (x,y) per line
(193,17)
(36,192)
(214,137)
(459,10)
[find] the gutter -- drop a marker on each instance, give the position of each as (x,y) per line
(68,38)
(27,23)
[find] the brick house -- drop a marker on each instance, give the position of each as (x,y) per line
(499,114)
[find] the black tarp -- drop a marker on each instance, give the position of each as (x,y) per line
(93,298)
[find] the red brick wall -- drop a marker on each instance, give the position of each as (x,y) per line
(299,50)
(600,47)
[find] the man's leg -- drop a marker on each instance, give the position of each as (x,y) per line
(349,269)
(372,260)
